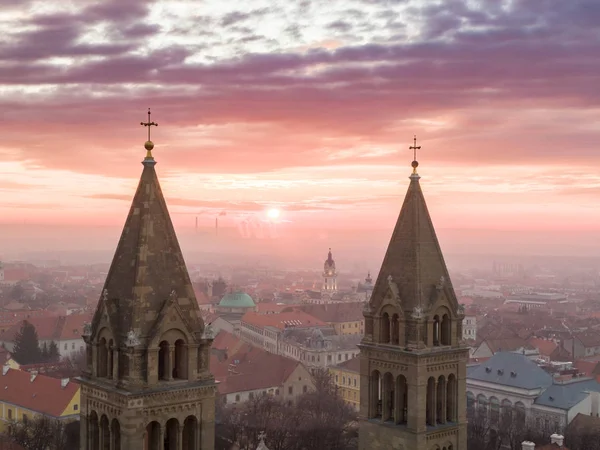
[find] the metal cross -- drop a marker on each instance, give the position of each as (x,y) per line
(149,124)
(415,148)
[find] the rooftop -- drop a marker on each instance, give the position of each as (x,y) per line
(237,300)
(567,394)
(39,393)
(282,320)
(510,369)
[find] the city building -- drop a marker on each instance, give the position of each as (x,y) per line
(317,347)
(265,330)
(147,383)
(27,395)
(582,345)
(234,305)
(329,276)
(240,371)
(345,318)
(346,376)
(413,362)
(512,383)
(470,326)
(66,331)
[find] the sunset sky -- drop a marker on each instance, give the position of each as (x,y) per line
(307,107)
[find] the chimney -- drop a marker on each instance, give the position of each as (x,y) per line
(526,445)
(33,375)
(64,382)
(557,439)
(5,369)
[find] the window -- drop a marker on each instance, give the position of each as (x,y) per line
(25,418)
(305,389)
(251,396)
(237,398)
(355,382)
(10,413)
(75,407)
(336,378)
(65,346)
(343,380)
(291,390)
(346,355)
(339,357)
(328,358)
(276,391)
(73,346)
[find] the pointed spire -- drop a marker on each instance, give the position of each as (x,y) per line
(413,259)
(148,270)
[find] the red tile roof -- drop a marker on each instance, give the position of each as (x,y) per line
(352,365)
(336,312)
(266,308)
(51,328)
(544,346)
(44,394)
(15,274)
(296,319)
(245,371)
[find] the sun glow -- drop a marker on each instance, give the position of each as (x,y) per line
(273,213)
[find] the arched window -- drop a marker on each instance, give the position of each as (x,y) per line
(104,433)
(494,410)
(152,437)
(172,434)
(519,412)
(110,361)
(436,330)
(388,397)
(385,328)
(164,370)
(94,431)
(401,413)
(115,431)
(482,405)
(431,403)
(451,398)
(102,370)
(190,427)
(180,363)
(506,412)
(470,404)
(375,395)
(395,329)
(446,337)
(440,410)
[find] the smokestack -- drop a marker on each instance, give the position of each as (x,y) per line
(216,226)
(526,445)
(196,225)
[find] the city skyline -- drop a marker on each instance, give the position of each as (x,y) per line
(304,110)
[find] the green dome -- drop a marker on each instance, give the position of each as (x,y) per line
(237,300)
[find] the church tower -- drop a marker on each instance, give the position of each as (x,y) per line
(413,363)
(147,384)
(329,275)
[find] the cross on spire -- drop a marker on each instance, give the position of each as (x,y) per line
(414,148)
(149,145)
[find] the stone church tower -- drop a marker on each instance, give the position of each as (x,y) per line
(147,385)
(413,363)
(329,275)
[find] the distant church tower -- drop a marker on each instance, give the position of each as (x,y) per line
(329,275)
(413,363)
(147,385)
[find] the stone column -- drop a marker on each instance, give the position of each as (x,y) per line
(171,362)
(434,403)
(180,436)
(391,328)
(94,359)
(192,361)
(443,403)
(115,364)
(385,399)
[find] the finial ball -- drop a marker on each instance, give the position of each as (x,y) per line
(415,164)
(149,145)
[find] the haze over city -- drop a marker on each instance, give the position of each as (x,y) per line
(296,118)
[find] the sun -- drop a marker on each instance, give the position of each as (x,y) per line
(273,213)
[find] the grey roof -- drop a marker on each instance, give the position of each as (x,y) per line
(511,369)
(568,394)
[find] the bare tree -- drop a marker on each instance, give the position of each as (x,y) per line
(40,433)
(318,419)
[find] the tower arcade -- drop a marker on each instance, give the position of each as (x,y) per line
(413,363)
